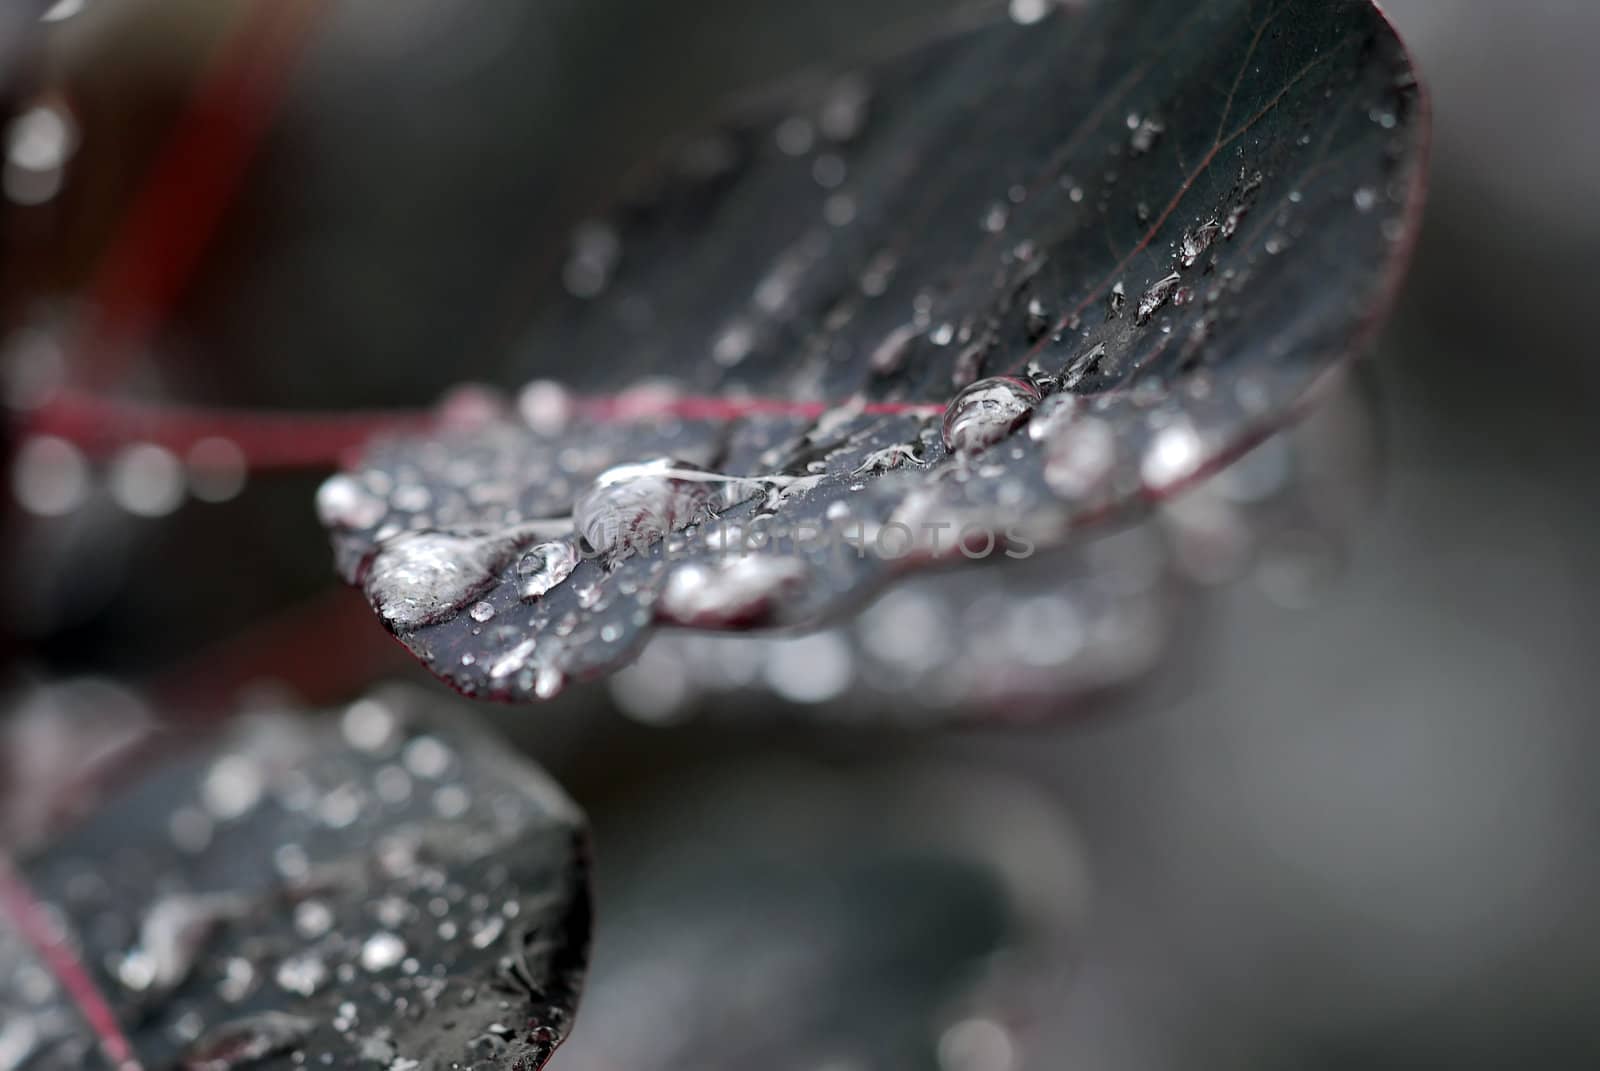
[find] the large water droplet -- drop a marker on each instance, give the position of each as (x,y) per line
(544,567)
(987,412)
(634,505)
(1155,297)
(739,591)
(244,1041)
(1197,241)
(422,578)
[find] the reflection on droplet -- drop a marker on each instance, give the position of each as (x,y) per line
(49,476)
(631,506)
(1155,297)
(422,578)
(1197,241)
(987,412)
(544,567)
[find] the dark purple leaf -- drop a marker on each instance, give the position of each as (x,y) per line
(373,890)
(781,917)
(1170,220)
(1065,634)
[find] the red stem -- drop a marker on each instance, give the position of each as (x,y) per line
(270,440)
(186,193)
(35,926)
(290,440)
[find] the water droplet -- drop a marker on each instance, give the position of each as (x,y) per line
(1244,195)
(1174,454)
(892,351)
(312,919)
(382,951)
(795,136)
(1156,296)
(596,250)
(977,1045)
(1115,300)
(146,480)
(172,935)
(217,469)
(39,144)
(50,476)
(987,412)
(544,567)
(1028,12)
(513,661)
(545,406)
(810,669)
(342,502)
(427,757)
(231,787)
(633,505)
(244,1041)
(1197,241)
(739,591)
(302,974)
(422,578)
(1146,132)
(1079,456)
(481,612)
(549,682)
(1366,199)
(844,112)
(890,457)
(1083,365)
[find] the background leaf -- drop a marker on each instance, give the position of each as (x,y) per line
(381,890)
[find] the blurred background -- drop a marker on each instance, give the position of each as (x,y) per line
(1339,811)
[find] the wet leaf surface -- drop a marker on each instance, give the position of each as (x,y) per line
(779,916)
(1074,632)
(977,295)
(369,891)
